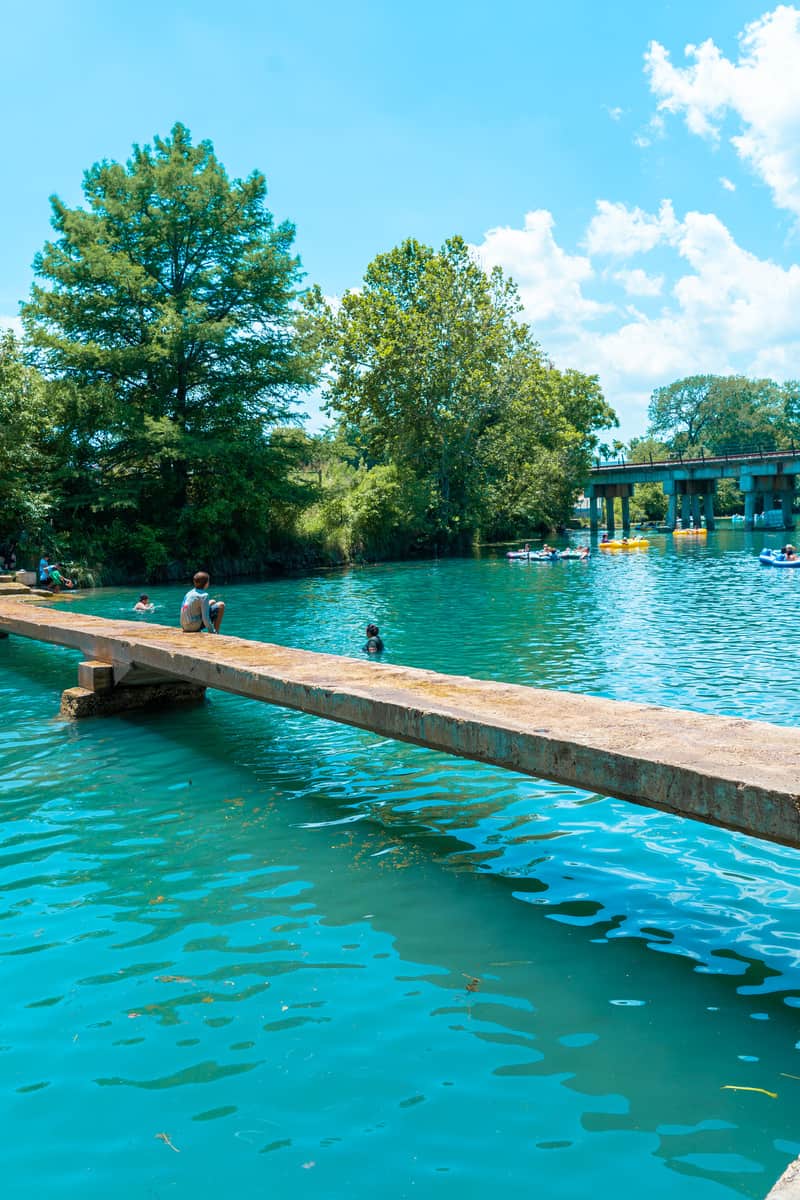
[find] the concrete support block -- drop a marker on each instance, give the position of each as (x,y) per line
(95,676)
(696,511)
(26,578)
(749,510)
(626,513)
(80,702)
(708,504)
(672,510)
(686,510)
(593,522)
(610,514)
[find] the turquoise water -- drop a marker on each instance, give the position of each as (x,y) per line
(321,963)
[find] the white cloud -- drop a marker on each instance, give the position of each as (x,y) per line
(550,280)
(618,230)
(12,323)
(726,310)
(727,184)
(761,88)
(637,282)
(615,113)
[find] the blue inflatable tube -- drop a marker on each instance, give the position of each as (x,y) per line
(773,558)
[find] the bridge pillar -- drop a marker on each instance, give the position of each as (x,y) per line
(98,695)
(708,504)
(607,493)
(672,510)
(610,526)
(696,511)
(626,514)
(749,510)
(686,510)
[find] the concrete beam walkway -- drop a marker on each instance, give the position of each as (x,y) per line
(738,774)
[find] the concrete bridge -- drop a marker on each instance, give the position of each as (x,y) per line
(765,477)
(738,774)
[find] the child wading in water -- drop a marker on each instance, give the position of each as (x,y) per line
(197,611)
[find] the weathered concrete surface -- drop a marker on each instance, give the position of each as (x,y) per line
(81,702)
(788,1186)
(742,775)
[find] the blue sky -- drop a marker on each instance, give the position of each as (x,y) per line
(646,200)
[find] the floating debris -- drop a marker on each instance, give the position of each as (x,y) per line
(732,1087)
(164,1137)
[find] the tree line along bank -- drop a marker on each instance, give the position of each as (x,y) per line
(151,415)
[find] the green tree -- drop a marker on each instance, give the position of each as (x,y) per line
(167,304)
(680,412)
(418,362)
(538,454)
(430,371)
(25,427)
(790,414)
(717,413)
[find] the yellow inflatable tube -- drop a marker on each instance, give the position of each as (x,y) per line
(630,544)
(690,533)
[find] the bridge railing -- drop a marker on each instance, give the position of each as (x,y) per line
(670,458)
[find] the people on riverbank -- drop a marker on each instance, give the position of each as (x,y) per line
(55,580)
(374,642)
(144,604)
(198,611)
(44,571)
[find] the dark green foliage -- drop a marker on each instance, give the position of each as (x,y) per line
(25,430)
(165,310)
(151,429)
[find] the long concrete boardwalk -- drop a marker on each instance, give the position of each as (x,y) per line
(738,774)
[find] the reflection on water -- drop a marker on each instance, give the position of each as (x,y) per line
(311,959)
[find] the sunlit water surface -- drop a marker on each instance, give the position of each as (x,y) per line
(245,952)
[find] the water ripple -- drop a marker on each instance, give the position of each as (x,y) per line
(316,960)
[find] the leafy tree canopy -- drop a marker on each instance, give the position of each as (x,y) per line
(25,425)
(167,301)
(431,370)
(718,413)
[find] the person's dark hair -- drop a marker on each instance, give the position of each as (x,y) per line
(200,579)
(144,596)
(372,631)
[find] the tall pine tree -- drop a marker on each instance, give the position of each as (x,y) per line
(167,302)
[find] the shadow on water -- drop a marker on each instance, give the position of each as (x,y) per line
(312,943)
(549,982)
